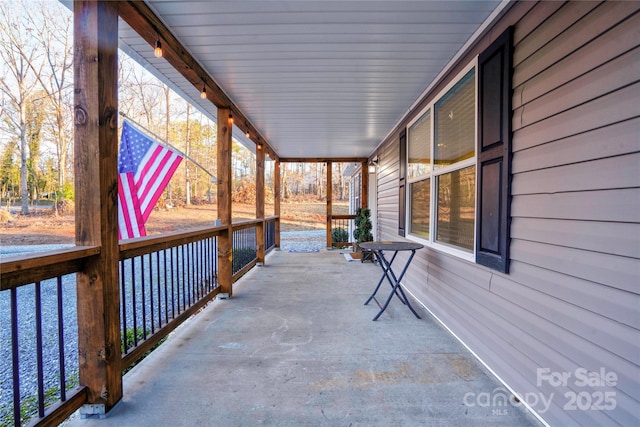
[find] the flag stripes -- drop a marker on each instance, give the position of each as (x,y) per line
(129,218)
(145,168)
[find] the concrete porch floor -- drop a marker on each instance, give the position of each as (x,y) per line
(295,346)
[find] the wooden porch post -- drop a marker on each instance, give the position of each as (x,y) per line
(96,193)
(329,204)
(276,200)
(260,202)
(365,185)
(225,241)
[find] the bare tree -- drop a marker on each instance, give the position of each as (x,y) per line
(17,51)
(55,38)
(188,153)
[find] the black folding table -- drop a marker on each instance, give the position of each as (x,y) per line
(379,249)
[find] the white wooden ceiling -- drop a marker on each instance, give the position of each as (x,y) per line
(319,79)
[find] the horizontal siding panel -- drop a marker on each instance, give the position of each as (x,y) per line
(553,26)
(387,185)
(609,205)
(612,336)
(614,238)
(498,349)
(603,174)
(606,269)
(390,198)
(388,206)
(579,351)
(532,350)
(610,77)
(540,12)
(582,32)
(612,108)
(621,138)
(620,39)
(479,276)
(621,306)
(416,275)
(388,175)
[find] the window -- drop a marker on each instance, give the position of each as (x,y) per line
(441,170)
(418,168)
(458,163)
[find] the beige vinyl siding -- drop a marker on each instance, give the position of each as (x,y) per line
(572,298)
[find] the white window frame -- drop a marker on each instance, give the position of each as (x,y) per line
(436,172)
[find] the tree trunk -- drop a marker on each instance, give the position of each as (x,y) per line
(187,152)
(23,163)
(62,149)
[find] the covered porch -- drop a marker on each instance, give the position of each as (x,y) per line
(296,346)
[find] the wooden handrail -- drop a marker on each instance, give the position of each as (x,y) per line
(349,216)
(19,270)
(145,245)
(248,223)
(23,269)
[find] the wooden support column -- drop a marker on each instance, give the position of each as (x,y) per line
(329,204)
(260,202)
(276,200)
(225,241)
(96,192)
(365,185)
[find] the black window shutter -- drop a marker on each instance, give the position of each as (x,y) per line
(402,184)
(494,153)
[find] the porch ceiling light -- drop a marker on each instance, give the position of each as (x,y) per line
(203,94)
(158,50)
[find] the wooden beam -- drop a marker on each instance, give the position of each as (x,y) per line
(329,203)
(365,184)
(276,200)
(260,203)
(225,241)
(142,20)
(322,159)
(20,270)
(96,192)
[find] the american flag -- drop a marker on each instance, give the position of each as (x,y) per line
(144,170)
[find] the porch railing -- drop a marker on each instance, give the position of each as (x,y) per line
(270,233)
(341,233)
(163,280)
(28,285)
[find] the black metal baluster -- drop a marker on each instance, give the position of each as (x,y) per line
(158,288)
(201,283)
(134,303)
(209,265)
(184,296)
(166,297)
(151,300)
(173,290)
(144,300)
(39,358)
(63,375)
(215,258)
(192,274)
(123,286)
(192,267)
(194,262)
(15,352)
(187,282)
(194,279)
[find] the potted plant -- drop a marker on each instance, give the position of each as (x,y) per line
(362,232)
